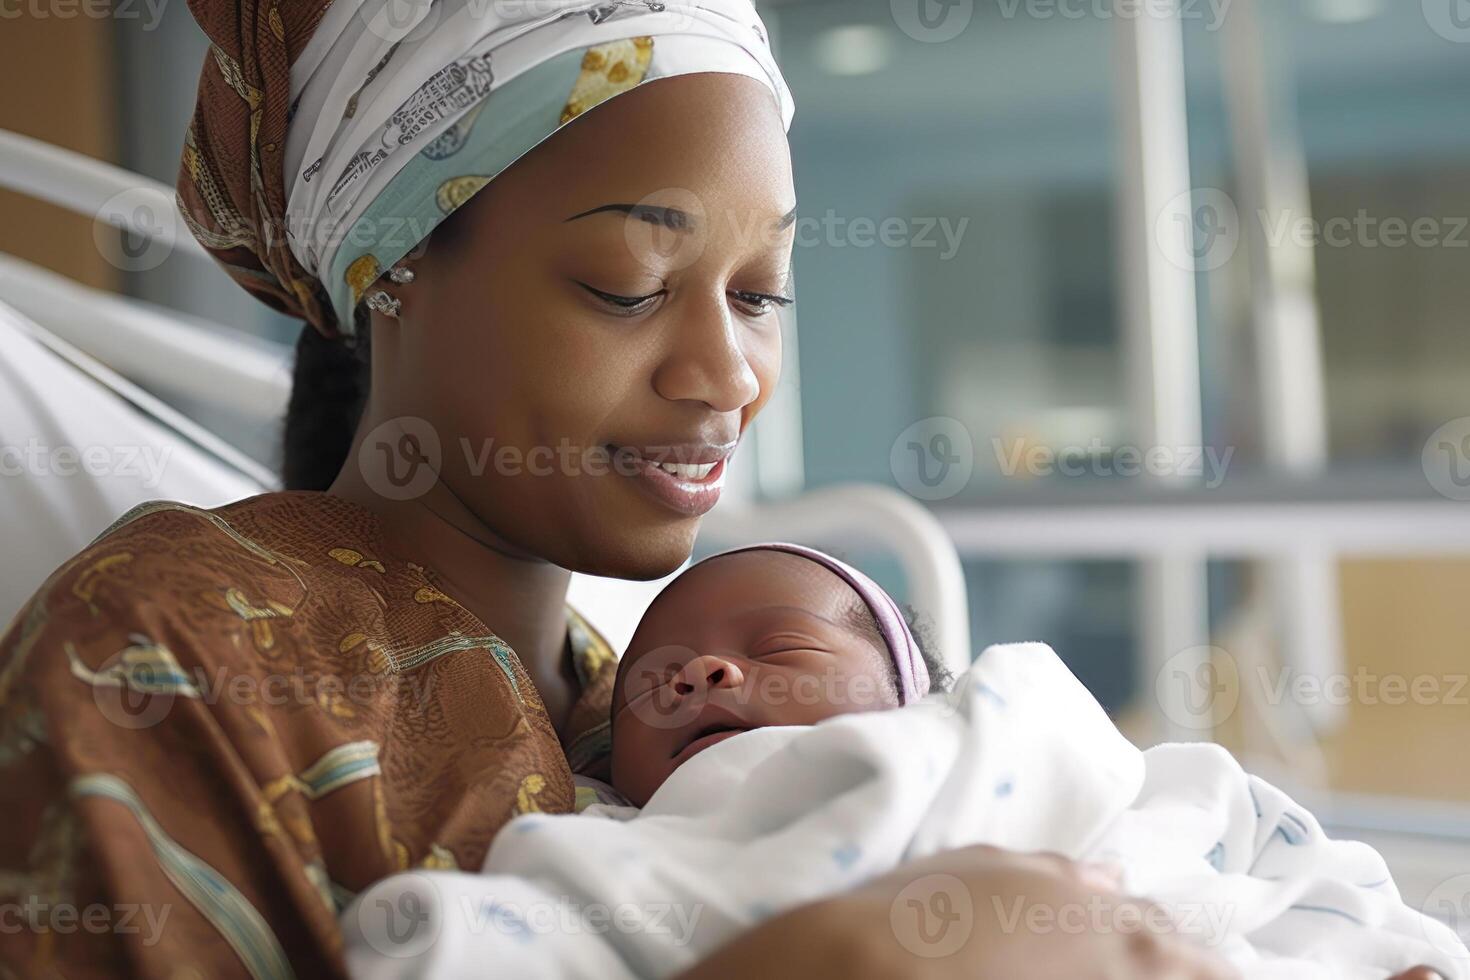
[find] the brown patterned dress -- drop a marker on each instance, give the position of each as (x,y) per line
(217,726)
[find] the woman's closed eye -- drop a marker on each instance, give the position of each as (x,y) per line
(751,302)
(622,305)
(760,304)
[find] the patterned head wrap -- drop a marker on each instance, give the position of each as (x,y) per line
(329,139)
(908,661)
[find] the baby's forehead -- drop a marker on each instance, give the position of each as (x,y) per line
(761,578)
(740,587)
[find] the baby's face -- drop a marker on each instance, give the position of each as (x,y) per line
(746,640)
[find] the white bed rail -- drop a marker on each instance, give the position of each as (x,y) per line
(93,188)
(867,516)
(207,363)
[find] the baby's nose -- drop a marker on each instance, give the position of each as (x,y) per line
(708,671)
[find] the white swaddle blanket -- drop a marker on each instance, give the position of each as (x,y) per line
(1020,756)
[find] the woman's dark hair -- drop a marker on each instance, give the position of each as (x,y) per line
(329,388)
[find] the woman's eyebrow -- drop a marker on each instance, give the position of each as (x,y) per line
(671,218)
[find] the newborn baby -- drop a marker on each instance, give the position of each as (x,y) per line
(772,634)
(775,743)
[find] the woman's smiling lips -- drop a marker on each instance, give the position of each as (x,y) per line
(685,478)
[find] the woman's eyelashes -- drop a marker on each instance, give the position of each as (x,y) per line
(750,302)
(759,304)
(623,305)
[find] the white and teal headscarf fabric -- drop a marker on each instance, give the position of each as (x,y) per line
(402,109)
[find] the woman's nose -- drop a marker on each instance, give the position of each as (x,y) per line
(713,361)
(706,672)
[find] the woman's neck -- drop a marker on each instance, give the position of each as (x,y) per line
(520,598)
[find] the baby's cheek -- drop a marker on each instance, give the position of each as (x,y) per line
(635,760)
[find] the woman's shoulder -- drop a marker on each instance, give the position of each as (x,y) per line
(165,568)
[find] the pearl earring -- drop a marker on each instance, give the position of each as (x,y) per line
(387,305)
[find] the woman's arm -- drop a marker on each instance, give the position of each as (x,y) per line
(1012,912)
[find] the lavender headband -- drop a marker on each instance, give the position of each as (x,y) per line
(913,676)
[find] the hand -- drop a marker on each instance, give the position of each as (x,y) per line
(975,912)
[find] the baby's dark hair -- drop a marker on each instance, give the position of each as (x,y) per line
(858,616)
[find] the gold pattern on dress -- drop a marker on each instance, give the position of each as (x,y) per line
(277,28)
(362,273)
(530,788)
(385,830)
(142,665)
(335,703)
(439,859)
(85,587)
(258,617)
(456,190)
(608,69)
(261,718)
(375,660)
(427,594)
(357,559)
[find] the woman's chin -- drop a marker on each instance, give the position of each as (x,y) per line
(640,553)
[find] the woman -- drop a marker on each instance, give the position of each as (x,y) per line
(216,727)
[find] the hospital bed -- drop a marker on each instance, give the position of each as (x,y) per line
(85,434)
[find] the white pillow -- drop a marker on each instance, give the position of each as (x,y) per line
(74,456)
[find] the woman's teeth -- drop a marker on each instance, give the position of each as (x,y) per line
(688,471)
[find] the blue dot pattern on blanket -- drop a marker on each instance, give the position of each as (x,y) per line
(984,690)
(507,920)
(1292,829)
